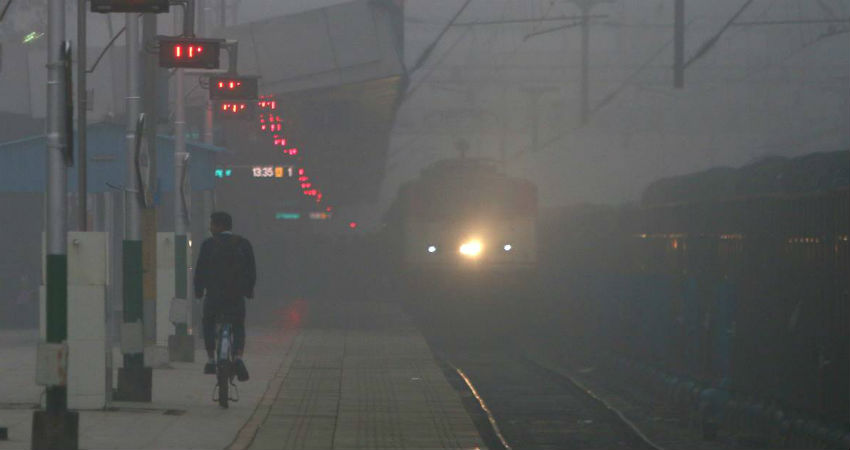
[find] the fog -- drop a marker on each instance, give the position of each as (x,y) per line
(437,199)
(761,90)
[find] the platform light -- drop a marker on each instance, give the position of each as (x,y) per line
(508,247)
(223,173)
(267,103)
(189,53)
(233,88)
(32,36)
(432,248)
(234,110)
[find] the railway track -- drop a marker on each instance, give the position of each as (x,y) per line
(520,404)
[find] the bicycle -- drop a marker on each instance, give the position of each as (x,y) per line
(225,370)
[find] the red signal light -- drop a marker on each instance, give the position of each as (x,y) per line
(352,225)
(234,110)
(242,88)
(191,53)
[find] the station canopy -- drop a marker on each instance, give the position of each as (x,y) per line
(337,75)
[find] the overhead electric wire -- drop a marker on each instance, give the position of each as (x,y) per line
(520,21)
(105,49)
(711,42)
(605,101)
(427,52)
(5,9)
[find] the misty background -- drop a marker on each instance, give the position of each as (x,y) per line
(764,89)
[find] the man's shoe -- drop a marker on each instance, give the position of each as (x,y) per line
(241,371)
(209,368)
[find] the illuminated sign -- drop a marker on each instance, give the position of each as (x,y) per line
(234,110)
(129,6)
(223,173)
(287,216)
(233,88)
(273,171)
(271,123)
(319,216)
(265,171)
(190,53)
(267,103)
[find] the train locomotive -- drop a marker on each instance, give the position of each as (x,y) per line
(465,215)
(463,233)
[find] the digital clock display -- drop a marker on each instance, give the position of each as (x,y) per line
(273,171)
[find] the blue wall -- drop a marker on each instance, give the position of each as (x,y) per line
(23,163)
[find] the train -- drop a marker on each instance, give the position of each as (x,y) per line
(465,214)
(463,233)
(732,278)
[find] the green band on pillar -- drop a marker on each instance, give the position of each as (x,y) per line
(181,284)
(57,318)
(180,267)
(132,281)
(57,298)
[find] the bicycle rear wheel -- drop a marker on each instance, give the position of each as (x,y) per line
(223,385)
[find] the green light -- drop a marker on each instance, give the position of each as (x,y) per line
(32,36)
(219,173)
(287,216)
(228,172)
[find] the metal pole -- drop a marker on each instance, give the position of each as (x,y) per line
(208,115)
(202,17)
(133,229)
(150,62)
(57,225)
(180,214)
(585,62)
(679,45)
(180,153)
(208,123)
(222,11)
(82,122)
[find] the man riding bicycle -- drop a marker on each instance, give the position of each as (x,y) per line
(226,273)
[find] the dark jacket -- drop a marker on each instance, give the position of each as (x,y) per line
(225,271)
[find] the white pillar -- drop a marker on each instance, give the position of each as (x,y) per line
(87,318)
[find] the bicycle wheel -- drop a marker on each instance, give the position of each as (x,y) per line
(223,385)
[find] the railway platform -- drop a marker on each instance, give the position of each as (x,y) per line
(335,376)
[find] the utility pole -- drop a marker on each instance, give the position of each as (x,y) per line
(208,114)
(222,11)
(679,45)
(134,379)
(82,119)
(586,6)
(181,346)
(534,94)
(56,427)
(149,214)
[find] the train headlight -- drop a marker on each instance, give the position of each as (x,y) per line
(471,249)
(508,247)
(432,249)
